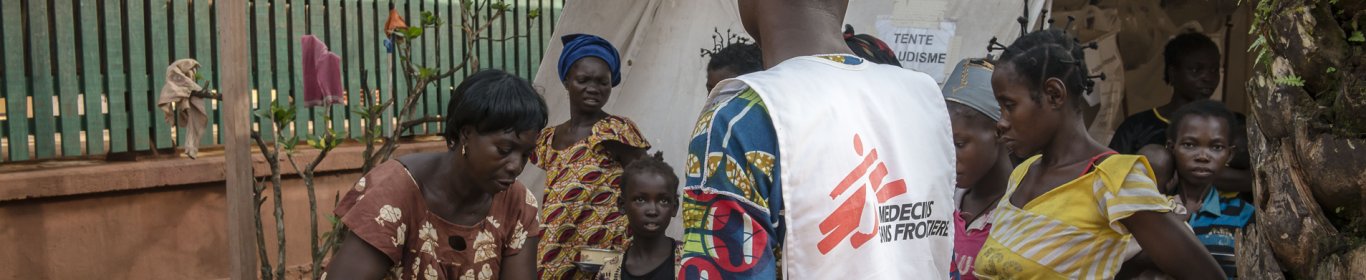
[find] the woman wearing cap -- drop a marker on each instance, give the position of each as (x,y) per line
(583,158)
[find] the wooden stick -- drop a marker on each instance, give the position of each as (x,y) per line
(232,39)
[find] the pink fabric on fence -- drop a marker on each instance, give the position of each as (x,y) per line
(322,73)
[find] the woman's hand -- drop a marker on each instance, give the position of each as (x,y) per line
(1172,247)
(521,266)
(356,259)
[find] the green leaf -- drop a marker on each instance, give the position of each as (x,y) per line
(500,6)
(1357,37)
(429,19)
(284,114)
(1263,57)
(198,77)
(423,73)
(1260,42)
(412,32)
(1291,80)
(533,13)
(289,143)
(467,5)
(263,113)
(316,143)
(362,113)
(336,141)
(1331,70)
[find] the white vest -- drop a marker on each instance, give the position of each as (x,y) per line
(867,169)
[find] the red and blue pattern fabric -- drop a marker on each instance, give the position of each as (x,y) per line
(732,201)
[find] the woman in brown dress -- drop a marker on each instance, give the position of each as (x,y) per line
(458,214)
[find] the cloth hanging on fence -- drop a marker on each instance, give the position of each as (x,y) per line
(181,109)
(322,73)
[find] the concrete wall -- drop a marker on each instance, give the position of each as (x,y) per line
(141,221)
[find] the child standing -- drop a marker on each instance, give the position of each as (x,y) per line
(1200,142)
(983,165)
(1070,209)
(649,197)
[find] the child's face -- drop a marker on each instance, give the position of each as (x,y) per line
(974,140)
(649,204)
(1201,148)
(1026,125)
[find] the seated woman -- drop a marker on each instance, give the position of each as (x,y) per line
(453,214)
(583,158)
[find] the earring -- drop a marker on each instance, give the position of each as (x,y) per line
(462,149)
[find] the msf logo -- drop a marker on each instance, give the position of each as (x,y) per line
(845,221)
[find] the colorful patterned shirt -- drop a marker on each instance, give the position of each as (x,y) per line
(582,185)
(732,200)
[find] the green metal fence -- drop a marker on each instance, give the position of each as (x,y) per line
(81,77)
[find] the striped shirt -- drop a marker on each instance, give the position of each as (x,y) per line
(1072,231)
(1220,218)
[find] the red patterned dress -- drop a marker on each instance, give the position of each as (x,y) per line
(580,205)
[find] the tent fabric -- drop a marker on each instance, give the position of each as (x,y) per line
(663,79)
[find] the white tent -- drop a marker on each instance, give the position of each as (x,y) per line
(663,72)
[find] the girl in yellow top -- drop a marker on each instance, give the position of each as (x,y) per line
(1070,210)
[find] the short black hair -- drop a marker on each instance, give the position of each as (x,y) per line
(494,100)
(650,165)
(741,57)
(1049,53)
(1182,44)
(1207,108)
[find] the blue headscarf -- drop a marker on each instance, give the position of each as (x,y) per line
(579,46)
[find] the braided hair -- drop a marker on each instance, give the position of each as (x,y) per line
(735,52)
(650,165)
(1046,54)
(743,58)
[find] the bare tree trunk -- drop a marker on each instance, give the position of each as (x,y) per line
(1307,137)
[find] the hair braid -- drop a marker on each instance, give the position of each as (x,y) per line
(1048,54)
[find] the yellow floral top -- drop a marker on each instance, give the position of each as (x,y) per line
(582,184)
(386,209)
(1074,230)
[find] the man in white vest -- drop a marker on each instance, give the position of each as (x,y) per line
(824,166)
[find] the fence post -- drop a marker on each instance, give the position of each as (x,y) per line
(232,36)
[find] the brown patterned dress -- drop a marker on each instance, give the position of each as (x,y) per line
(386,209)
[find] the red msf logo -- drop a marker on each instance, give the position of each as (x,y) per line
(845,220)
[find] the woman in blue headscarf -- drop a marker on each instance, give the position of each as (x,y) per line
(583,158)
